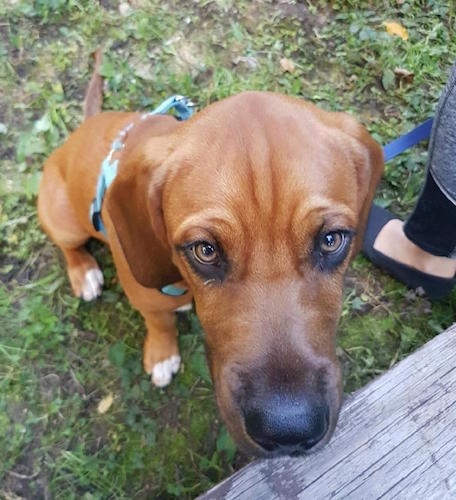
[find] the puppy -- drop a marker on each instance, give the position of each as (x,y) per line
(253,208)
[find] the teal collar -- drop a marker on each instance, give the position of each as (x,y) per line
(183,108)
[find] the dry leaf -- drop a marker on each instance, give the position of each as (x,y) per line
(105,404)
(403,76)
(249,61)
(395,29)
(287,65)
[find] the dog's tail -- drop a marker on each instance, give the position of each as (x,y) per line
(94,94)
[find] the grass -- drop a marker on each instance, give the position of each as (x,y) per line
(59,359)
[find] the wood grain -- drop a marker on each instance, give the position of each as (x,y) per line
(396,438)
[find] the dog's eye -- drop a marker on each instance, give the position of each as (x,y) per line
(207,260)
(332,242)
(331,249)
(205,253)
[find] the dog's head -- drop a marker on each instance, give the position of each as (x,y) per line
(262,200)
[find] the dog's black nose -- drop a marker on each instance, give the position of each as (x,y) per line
(286,423)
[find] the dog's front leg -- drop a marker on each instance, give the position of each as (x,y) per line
(161,359)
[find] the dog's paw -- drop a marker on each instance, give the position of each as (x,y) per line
(162,373)
(92,285)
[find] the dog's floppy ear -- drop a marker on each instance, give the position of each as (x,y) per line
(369,162)
(133,204)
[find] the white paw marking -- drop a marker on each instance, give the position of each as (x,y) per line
(93,285)
(162,373)
(185,307)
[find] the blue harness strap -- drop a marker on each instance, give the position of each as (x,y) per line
(406,141)
(173,290)
(183,108)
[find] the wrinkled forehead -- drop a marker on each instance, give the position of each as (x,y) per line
(264,172)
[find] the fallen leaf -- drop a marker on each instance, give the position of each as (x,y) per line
(249,61)
(287,65)
(396,29)
(105,404)
(403,76)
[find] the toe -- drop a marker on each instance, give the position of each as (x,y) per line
(93,284)
(162,373)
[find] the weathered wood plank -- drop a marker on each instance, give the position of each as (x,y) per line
(396,438)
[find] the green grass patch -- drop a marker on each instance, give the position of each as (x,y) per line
(59,358)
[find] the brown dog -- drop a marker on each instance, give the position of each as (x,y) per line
(256,205)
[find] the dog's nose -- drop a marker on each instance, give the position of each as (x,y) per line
(286,423)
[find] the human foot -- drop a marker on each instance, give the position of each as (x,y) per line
(392,241)
(386,245)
